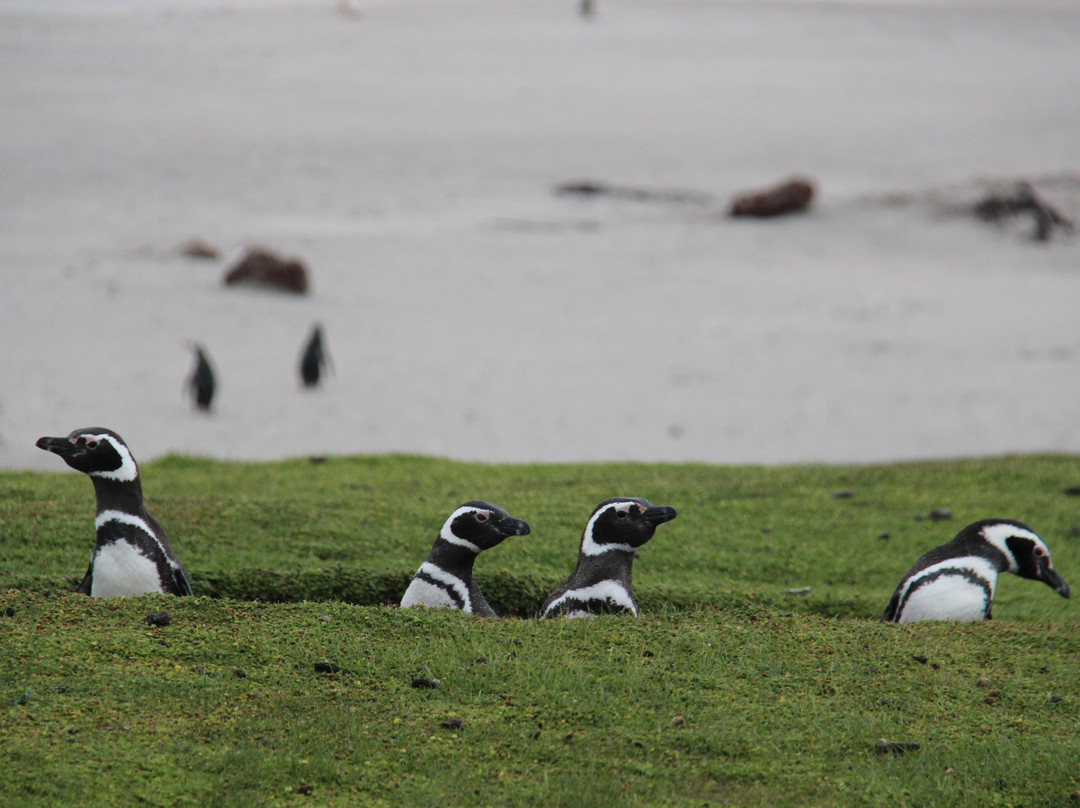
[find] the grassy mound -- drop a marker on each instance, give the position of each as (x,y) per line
(758,675)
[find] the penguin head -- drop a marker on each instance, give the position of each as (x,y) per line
(1026,554)
(480,526)
(623,523)
(95,451)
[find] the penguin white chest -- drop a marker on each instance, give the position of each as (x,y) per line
(121,570)
(962,594)
(436,589)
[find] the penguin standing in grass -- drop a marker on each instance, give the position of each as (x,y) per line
(956,581)
(602,583)
(131,555)
(445,579)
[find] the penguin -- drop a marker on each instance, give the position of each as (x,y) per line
(131,555)
(201,382)
(445,579)
(956,581)
(601,583)
(314,358)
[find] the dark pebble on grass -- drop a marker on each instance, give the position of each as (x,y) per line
(884,747)
(1072,490)
(326,667)
(1054,699)
(940,514)
(1044,669)
(648,654)
(420,683)
(934,666)
(884,536)
(480,661)
(920,659)
(639,745)
(568,738)
(238,673)
(844,494)
(305,790)
(451,723)
(1075,796)
(9,612)
(159,619)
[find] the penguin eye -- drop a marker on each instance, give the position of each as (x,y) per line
(621,514)
(91,444)
(481,516)
(1039,552)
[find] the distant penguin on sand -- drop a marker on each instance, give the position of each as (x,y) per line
(445,579)
(131,554)
(314,358)
(200,384)
(956,581)
(601,583)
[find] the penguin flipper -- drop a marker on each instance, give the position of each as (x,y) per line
(84,586)
(180,585)
(890,611)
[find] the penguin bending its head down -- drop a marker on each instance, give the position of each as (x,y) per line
(131,554)
(956,581)
(445,579)
(601,583)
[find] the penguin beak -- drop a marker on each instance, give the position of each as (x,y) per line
(658,515)
(513,527)
(1051,578)
(60,446)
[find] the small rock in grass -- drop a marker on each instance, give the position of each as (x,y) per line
(1054,698)
(1072,490)
(326,618)
(884,536)
(884,747)
(568,738)
(940,514)
(799,590)
(1044,669)
(678,721)
(920,659)
(9,612)
(238,673)
(844,493)
(992,697)
(420,683)
(982,681)
(304,790)
(159,619)
(326,667)
(451,723)
(1075,796)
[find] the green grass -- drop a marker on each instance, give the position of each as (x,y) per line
(728,691)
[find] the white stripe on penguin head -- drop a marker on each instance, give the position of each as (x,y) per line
(127,471)
(997,535)
(590,546)
(447,532)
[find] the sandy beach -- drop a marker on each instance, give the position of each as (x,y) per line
(409,153)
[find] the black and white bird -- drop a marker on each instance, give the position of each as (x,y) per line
(602,582)
(200,383)
(445,579)
(314,358)
(131,554)
(956,581)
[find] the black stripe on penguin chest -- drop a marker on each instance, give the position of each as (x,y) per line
(970,576)
(145,544)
